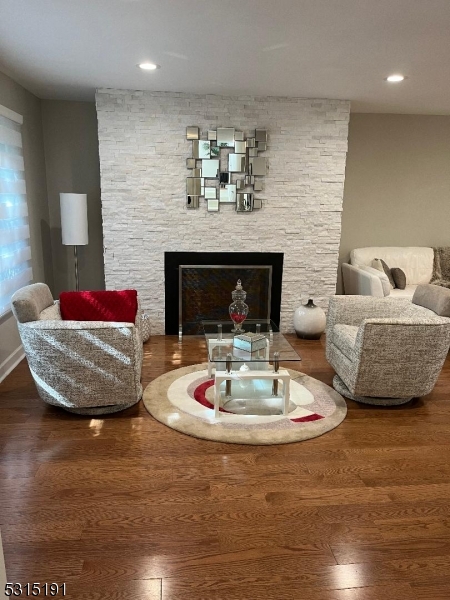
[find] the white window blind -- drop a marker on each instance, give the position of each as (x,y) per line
(15,252)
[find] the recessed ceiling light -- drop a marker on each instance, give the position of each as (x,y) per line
(148,66)
(395,78)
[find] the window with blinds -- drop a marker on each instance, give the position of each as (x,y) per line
(15,252)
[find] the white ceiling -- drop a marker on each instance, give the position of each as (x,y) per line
(65,49)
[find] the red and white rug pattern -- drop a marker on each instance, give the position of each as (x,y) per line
(184,400)
(304,406)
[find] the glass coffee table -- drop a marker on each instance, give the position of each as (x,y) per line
(257,372)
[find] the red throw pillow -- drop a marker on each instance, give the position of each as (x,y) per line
(107,305)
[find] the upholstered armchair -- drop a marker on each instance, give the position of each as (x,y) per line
(85,367)
(385,350)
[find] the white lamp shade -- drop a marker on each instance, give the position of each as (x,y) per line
(74,221)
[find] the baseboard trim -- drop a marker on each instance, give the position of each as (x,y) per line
(11,362)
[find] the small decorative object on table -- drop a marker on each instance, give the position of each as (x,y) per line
(309,321)
(250,342)
(238,309)
(145,325)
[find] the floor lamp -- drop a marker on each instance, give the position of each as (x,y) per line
(74,225)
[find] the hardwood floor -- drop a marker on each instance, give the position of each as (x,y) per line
(123,507)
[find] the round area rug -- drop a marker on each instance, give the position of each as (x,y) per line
(184,400)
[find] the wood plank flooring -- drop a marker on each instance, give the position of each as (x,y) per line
(122,507)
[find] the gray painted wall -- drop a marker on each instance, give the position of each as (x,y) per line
(72,165)
(397,182)
(15,97)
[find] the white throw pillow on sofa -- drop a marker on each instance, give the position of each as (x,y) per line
(380,265)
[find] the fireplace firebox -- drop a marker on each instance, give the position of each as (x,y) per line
(198,286)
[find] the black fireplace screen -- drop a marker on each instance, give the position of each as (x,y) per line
(198,286)
(205,293)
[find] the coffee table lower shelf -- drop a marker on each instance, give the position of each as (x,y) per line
(222,376)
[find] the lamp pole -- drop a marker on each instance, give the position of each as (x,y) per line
(77,281)
(74,225)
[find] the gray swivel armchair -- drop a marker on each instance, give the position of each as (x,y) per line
(85,367)
(386,350)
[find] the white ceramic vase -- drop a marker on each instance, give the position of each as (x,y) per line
(309,321)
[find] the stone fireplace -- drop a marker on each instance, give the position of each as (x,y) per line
(143,152)
(203,282)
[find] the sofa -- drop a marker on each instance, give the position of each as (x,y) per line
(388,350)
(360,278)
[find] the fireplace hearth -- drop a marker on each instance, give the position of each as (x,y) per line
(198,286)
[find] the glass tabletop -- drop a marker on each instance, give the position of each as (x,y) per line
(220,338)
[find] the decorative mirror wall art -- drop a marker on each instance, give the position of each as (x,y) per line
(192,133)
(201,149)
(193,186)
(244,202)
(225,137)
(257,166)
(230,163)
(237,163)
(227,194)
(212,205)
(210,169)
(192,202)
(260,135)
